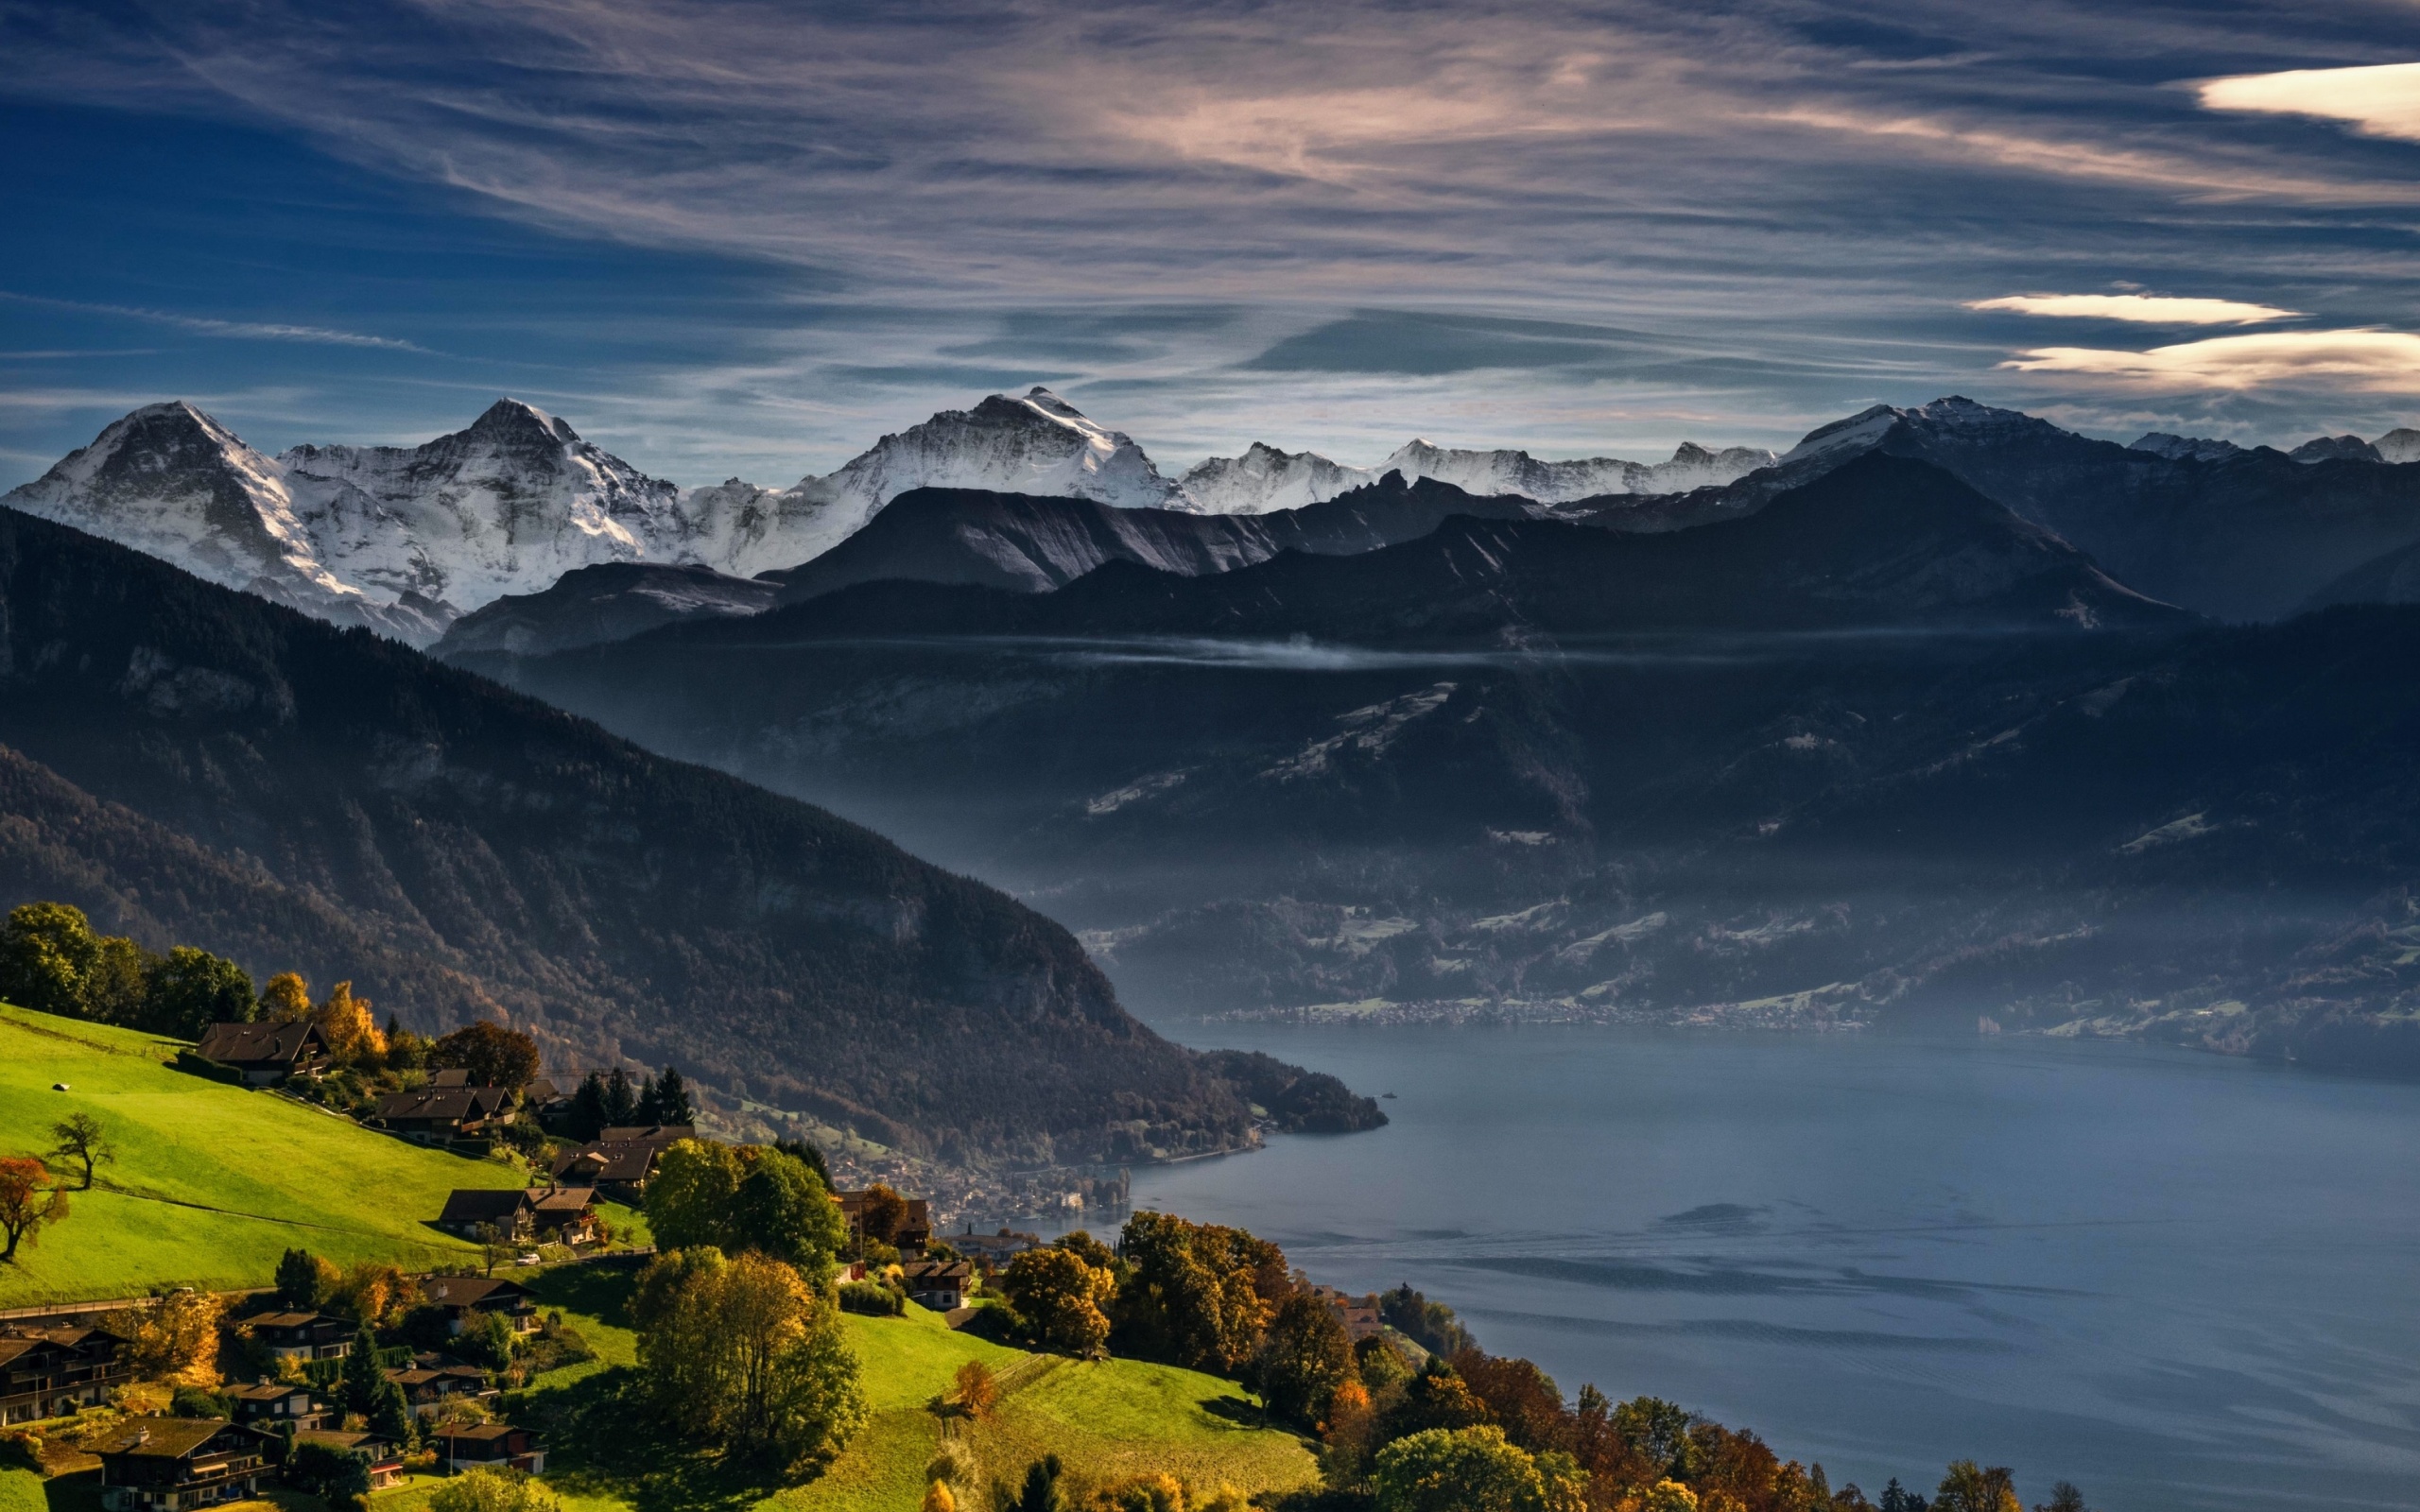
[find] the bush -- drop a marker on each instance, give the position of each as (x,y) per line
(195,1402)
(492,1490)
(872,1298)
(340,1477)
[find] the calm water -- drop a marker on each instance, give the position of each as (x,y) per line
(2180,1280)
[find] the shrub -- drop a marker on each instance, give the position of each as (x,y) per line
(872,1298)
(492,1490)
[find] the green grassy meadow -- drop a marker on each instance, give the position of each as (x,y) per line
(212,1183)
(1103,1421)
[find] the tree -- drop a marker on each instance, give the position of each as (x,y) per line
(1064,1299)
(780,1208)
(338,1476)
(492,1053)
(305,1280)
(175,1340)
(82,1140)
(1039,1492)
(28,1205)
(1969,1488)
(689,1197)
(1658,1431)
(486,1489)
(1303,1358)
(117,983)
(46,951)
(674,1107)
(346,1023)
(1430,1325)
(937,1498)
(974,1390)
(881,1214)
(621,1100)
(286,999)
(1438,1398)
(586,1119)
(190,989)
(1523,1400)
(2063,1497)
(743,1353)
(808,1156)
(1897,1498)
(1199,1294)
(1471,1470)
(363,1373)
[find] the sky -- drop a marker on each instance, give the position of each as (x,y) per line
(745,239)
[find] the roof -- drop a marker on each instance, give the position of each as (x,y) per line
(265,1391)
(257,1044)
(444,1104)
(541,1092)
(159,1437)
(450,1076)
(625,1162)
(14,1348)
(648,1134)
(481,1433)
(470,1291)
(935,1270)
(369,1444)
(291,1320)
(483,1204)
(568,1201)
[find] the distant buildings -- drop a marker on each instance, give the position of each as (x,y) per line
(619,1160)
(562,1214)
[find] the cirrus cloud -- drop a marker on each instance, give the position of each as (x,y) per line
(2148,309)
(2378,362)
(2379,100)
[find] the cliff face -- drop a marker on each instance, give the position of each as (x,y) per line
(196,763)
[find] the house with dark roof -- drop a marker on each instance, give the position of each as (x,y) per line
(490,1444)
(431,1381)
(939,1285)
(169,1464)
(619,1162)
(49,1372)
(462,1295)
(563,1214)
(384,1457)
(273,1404)
(433,1115)
(915,1227)
(265,1054)
(303,1335)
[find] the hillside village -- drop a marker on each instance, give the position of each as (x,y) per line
(544,1297)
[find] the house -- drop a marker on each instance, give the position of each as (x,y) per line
(265,1054)
(435,1114)
(1359,1314)
(543,1098)
(915,1229)
(462,1449)
(618,1161)
(304,1336)
(270,1404)
(174,1463)
(462,1295)
(49,1372)
(994,1250)
(432,1381)
(939,1285)
(385,1459)
(566,1214)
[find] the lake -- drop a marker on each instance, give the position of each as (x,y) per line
(2180,1280)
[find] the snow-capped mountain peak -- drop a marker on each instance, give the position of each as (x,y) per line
(1264,479)
(1502,472)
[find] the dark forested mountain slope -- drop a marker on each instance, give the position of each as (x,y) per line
(198,764)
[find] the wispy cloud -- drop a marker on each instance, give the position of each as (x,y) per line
(2379,362)
(2147,309)
(236,330)
(2379,100)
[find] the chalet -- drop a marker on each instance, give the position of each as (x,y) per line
(174,1463)
(49,1372)
(435,1114)
(462,1295)
(265,1054)
(564,1214)
(431,1381)
(462,1449)
(385,1459)
(1359,1314)
(270,1404)
(915,1228)
(939,1285)
(303,1335)
(618,1161)
(543,1097)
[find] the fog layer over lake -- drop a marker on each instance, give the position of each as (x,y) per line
(2182,1281)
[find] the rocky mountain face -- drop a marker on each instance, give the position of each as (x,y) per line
(611,601)
(193,765)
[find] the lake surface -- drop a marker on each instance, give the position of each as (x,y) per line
(2180,1280)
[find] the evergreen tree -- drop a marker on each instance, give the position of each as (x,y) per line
(673,1105)
(621,1100)
(803,1152)
(299,1281)
(587,1118)
(363,1375)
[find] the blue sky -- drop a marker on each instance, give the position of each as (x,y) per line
(745,239)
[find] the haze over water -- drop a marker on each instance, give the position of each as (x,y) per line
(2181,1281)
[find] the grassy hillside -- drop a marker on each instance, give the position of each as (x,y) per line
(212,1183)
(1106,1420)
